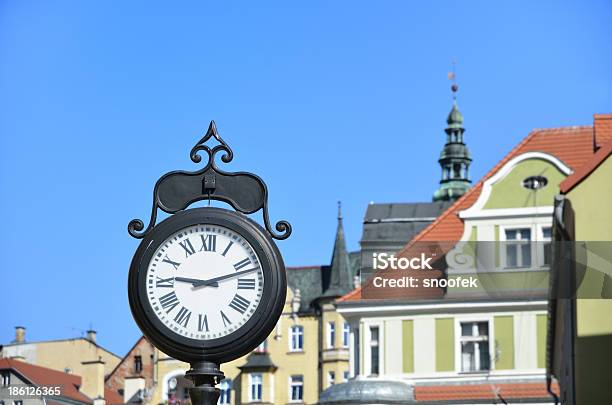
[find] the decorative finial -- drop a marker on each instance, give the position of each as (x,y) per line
(339,210)
(452,76)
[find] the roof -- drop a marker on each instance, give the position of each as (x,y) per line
(259,361)
(572,145)
(368,391)
(484,392)
(307,279)
(63,340)
(70,383)
(399,222)
(585,170)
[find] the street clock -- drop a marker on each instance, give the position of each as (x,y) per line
(207,285)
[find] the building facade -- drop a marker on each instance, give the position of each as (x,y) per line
(482,343)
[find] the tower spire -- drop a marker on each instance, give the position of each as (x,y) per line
(455,157)
(340,277)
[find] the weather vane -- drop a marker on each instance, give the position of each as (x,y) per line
(452,77)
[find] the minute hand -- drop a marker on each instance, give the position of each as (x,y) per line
(225,277)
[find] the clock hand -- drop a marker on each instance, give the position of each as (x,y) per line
(224,277)
(195,280)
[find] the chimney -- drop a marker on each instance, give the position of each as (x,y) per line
(19,334)
(92,379)
(91,335)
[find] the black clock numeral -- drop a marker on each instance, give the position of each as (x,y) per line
(229,245)
(239,303)
(209,243)
(182,317)
(246,283)
(202,323)
(242,263)
(164,282)
(168,260)
(169,301)
(226,320)
(186,244)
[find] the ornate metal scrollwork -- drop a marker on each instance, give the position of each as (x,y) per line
(175,191)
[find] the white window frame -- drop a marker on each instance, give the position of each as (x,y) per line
(504,261)
(491,341)
(225,386)
(346,334)
(291,334)
(537,251)
(293,384)
(331,378)
(367,364)
(252,385)
(331,334)
(6,378)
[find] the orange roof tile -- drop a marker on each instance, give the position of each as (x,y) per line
(585,170)
(70,383)
(572,145)
(483,391)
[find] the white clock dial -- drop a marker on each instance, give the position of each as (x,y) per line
(204,282)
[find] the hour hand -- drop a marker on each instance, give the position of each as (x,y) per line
(197,282)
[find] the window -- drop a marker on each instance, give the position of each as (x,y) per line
(262,348)
(331,334)
(374,350)
(6,378)
(296,388)
(18,402)
(346,376)
(256,387)
(331,378)
(346,331)
(296,339)
(138,364)
(226,392)
(518,247)
(474,346)
(546,246)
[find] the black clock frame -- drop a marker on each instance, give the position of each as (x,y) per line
(244,339)
(173,193)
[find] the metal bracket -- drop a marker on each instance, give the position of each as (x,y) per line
(245,192)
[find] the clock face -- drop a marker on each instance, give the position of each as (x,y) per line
(204,282)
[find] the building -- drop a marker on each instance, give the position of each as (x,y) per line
(67,388)
(483,344)
(580,325)
(66,355)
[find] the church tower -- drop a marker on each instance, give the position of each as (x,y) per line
(455,157)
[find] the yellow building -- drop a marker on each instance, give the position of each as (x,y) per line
(305,354)
(66,355)
(580,332)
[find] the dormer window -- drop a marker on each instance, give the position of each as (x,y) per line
(138,364)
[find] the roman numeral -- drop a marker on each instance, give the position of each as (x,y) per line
(246,283)
(186,244)
(169,301)
(226,320)
(209,243)
(182,317)
(242,263)
(239,303)
(202,323)
(167,260)
(164,282)
(229,245)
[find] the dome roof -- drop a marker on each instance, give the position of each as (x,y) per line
(455,118)
(369,391)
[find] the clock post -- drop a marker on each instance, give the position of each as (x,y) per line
(207,285)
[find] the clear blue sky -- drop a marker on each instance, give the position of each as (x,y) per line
(326,100)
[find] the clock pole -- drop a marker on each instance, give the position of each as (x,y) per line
(205,376)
